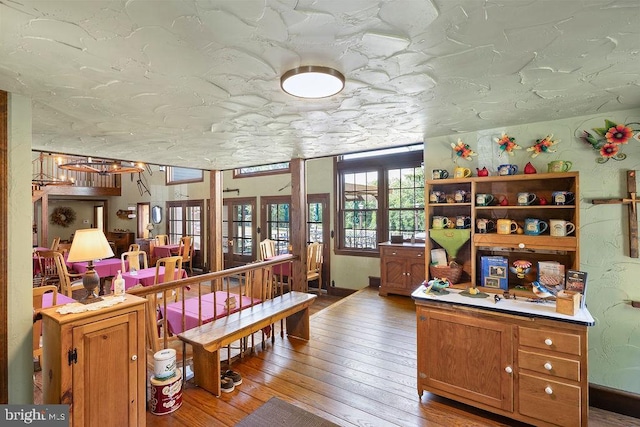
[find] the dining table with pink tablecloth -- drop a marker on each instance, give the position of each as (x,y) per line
(105,267)
(36,259)
(47,299)
(174,310)
(162,251)
(146,276)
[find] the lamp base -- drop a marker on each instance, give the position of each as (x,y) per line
(90,281)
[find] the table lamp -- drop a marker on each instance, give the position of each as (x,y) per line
(150,229)
(88,245)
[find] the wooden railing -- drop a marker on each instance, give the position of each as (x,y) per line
(255,280)
(46,167)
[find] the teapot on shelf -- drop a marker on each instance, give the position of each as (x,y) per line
(483,172)
(529,169)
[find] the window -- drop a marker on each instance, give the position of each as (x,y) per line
(271,169)
(379,195)
(183,175)
(275,221)
(186,219)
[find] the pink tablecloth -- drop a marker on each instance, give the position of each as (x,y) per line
(146,277)
(105,268)
(60,299)
(281,269)
(174,310)
(162,251)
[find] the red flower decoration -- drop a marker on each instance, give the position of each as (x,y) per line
(609,150)
(619,134)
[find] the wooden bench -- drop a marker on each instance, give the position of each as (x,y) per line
(207,340)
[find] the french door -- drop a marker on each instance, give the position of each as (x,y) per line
(186,218)
(239,231)
(318,231)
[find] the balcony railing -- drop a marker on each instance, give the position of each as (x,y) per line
(45,167)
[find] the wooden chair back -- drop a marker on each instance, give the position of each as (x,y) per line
(55,243)
(314,264)
(172,266)
(69,282)
(267,249)
(48,268)
(186,252)
(133,247)
(162,239)
(137,260)
(37,324)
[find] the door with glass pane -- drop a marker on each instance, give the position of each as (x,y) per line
(318,230)
(275,214)
(187,219)
(238,231)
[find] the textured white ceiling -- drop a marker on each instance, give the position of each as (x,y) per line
(197,83)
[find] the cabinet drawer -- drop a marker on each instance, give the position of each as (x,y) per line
(402,253)
(550,401)
(550,340)
(550,365)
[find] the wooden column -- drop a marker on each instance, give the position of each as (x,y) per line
(215,258)
(298,222)
(4,237)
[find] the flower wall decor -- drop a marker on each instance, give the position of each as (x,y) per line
(609,139)
(462,151)
(507,144)
(543,146)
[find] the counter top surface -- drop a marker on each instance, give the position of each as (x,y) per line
(520,306)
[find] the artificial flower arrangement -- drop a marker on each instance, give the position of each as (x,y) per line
(543,146)
(607,140)
(462,150)
(507,144)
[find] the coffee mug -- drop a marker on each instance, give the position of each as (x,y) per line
(534,227)
(525,199)
(437,197)
(440,222)
(562,198)
(507,226)
(559,166)
(484,199)
(485,225)
(439,174)
(460,172)
(561,228)
(463,221)
(507,169)
(460,196)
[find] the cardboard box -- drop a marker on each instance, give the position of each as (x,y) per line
(568,302)
(494,272)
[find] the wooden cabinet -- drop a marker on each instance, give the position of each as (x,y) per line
(95,362)
(147,245)
(506,189)
(402,268)
(121,240)
(527,368)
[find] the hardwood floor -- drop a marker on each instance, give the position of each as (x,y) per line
(358,368)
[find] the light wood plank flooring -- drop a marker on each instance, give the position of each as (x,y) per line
(359,368)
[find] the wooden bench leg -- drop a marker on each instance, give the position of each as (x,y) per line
(298,324)
(206,369)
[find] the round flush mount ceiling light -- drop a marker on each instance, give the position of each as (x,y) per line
(312,81)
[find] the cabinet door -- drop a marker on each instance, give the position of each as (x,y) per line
(416,270)
(105,379)
(466,357)
(394,271)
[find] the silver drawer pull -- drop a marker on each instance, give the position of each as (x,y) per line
(508,369)
(548,390)
(548,366)
(548,341)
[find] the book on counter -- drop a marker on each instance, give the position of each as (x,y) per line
(494,272)
(576,281)
(551,274)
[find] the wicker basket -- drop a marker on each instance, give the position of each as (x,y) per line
(452,273)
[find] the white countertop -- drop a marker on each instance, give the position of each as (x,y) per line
(520,306)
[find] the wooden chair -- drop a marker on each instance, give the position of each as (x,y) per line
(155,335)
(267,249)
(37,324)
(162,239)
(48,269)
(69,282)
(137,260)
(172,266)
(314,264)
(55,243)
(186,252)
(134,247)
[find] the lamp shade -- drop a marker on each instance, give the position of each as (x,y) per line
(89,244)
(312,81)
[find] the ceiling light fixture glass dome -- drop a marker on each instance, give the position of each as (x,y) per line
(311,81)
